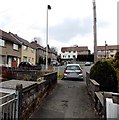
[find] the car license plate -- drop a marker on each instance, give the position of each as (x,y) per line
(73,73)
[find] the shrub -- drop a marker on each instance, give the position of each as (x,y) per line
(29,77)
(105,75)
(115,63)
(117,70)
(60,75)
(117,56)
(40,79)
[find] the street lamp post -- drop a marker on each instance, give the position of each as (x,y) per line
(95,32)
(48,8)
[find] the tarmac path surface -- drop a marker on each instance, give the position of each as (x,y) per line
(69,99)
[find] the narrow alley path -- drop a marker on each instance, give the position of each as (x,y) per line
(68,100)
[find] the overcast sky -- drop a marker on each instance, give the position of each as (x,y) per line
(70,21)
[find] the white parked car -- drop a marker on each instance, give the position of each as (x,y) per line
(73,71)
(55,63)
(87,63)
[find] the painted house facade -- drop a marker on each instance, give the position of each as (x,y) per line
(40,52)
(73,52)
(107,51)
(28,52)
(14,49)
(10,50)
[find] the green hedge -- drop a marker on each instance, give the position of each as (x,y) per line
(115,63)
(104,73)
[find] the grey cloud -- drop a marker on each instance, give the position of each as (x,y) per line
(70,28)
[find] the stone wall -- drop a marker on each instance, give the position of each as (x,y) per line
(99,97)
(31,97)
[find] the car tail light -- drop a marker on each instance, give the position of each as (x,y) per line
(81,71)
(65,72)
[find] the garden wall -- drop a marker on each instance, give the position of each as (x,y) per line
(99,97)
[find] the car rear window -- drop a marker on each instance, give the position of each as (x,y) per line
(74,67)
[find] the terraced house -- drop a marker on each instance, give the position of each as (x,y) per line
(28,51)
(41,53)
(14,49)
(10,50)
(51,54)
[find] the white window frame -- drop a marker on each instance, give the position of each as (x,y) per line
(2,42)
(15,46)
(32,50)
(24,58)
(25,48)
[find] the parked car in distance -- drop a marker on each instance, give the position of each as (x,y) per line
(87,63)
(28,65)
(55,63)
(73,71)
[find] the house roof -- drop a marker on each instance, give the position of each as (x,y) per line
(37,46)
(22,41)
(78,49)
(6,36)
(109,47)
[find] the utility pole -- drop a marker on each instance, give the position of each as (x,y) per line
(106,55)
(105,50)
(95,31)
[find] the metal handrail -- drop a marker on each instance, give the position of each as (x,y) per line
(7,95)
(3,104)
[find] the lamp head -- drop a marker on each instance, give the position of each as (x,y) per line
(49,7)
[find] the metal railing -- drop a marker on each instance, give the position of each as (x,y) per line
(8,107)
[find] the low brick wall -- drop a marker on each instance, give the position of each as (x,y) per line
(23,74)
